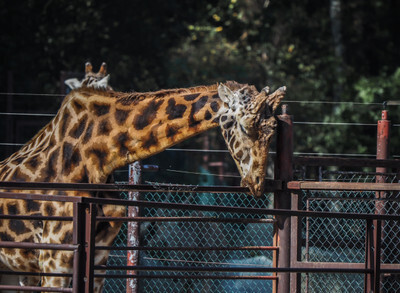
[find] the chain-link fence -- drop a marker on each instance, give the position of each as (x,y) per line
(200,234)
(343,240)
(323,240)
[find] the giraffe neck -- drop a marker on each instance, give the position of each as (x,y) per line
(149,123)
(96,132)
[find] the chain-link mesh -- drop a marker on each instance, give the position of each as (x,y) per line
(324,240)
(343,240)
(199,234)
(332,283)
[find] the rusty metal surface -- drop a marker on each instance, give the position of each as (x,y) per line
(296,267)
(135,177)
(34,196)
(187,219)
(194,277)
(318,185)
(223,248)
(39,274)
(34,289)
(270,186)
(10,244)
(282,199)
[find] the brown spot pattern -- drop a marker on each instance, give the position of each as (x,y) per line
(148,114)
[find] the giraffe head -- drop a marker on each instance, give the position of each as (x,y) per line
(248,123)
(97,80)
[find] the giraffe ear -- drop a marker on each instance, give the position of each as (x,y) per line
(225,94)
(73,83)
(103,83)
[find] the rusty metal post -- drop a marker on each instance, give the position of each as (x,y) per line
(382,153)
(135,177)
(78,277)
(90,234)
(382,146)
(282,199)
(369,255)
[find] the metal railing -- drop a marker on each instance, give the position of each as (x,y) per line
(85,219)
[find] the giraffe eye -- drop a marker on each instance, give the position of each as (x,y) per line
(243,129)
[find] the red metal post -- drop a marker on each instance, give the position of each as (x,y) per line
(382,153)
(282,199)
(78,280)
(90,231)
(382,145)
(135,175)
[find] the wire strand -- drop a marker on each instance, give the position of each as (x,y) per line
(333,123)
(330,102)
(227,152)
(32,94)
(286,101)
(201,174)
(27,114)
(295,122)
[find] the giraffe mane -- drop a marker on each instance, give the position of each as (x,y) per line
(134,97)
(129,98)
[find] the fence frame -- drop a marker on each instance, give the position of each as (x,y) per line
(84,218)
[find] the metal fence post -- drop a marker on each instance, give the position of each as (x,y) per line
(382,153)
(90,234)
(135,174)
(282,199)
(78,277)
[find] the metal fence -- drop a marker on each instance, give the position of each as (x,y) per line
(344,240)
(209,239)
(204,241)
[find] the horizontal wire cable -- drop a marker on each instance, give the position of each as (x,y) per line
(295,122)
(197,150)
(27,114)
(202,174)
(226,151)
(343,103)
(333,123)
(32,94)
(286,101)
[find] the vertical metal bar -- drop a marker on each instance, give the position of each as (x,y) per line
(369,256)
(135,177)
(90,234)
(296,238)
(382,152)
(382,145)
(275,255)
(78,280)
(377,258)
(307,241)
(63,77)
(10,118)
(282,199)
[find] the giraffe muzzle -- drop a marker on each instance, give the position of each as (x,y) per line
(255,185)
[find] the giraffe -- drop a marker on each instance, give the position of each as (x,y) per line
(97,131)
(97,80)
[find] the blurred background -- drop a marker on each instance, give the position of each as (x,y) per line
(338,59)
